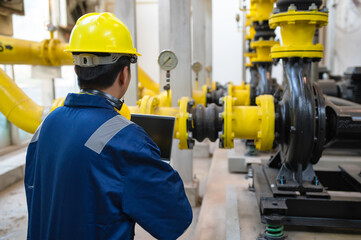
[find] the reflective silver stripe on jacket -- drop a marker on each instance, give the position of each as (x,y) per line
(36,134)
(99,139)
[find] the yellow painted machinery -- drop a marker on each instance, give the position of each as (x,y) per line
(297,30)
(146,85)
(260,40)
(215,122)
(289,191)
(206,96)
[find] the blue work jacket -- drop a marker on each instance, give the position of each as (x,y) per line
(92,174)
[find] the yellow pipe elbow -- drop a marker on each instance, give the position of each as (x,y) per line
(17,107)
(147,81)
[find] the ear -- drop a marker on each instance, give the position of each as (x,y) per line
(123,75)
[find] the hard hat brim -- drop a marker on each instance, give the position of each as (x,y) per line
(110,51)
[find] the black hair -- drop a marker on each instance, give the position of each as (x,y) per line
(102,76)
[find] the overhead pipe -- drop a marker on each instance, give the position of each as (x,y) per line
(17,107)
(50,52)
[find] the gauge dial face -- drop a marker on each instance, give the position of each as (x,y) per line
(167,60)
(196,67)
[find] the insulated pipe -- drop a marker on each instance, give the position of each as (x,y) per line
(17,107)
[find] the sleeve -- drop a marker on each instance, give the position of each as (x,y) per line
(154,195)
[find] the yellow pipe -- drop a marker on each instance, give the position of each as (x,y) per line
(147,81)
(17,107)
(246,116)
(144,91)
(249,122)
(50,52)
(165,98)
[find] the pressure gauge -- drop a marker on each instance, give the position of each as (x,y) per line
(209,69)
(167,60)
(196,67)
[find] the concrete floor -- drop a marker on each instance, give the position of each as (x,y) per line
(13,210)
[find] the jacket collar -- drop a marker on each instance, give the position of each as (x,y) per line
(86,100)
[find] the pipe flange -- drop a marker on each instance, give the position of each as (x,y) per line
(266,113)
(263,49)
(250,55)
(226,139)
(297,29)
(183,117)
(320,129)
(261,9)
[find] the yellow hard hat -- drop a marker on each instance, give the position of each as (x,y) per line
(101,32)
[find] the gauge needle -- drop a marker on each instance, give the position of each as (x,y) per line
(167,60)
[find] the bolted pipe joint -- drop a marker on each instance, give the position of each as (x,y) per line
(301,5)
(206,122)
(298,21)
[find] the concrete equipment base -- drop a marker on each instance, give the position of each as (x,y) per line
(192,192)
(238,160)
(201,149)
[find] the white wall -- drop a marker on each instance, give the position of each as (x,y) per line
(343,43)
(148,37)
(227,42)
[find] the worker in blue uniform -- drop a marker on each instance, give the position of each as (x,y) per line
(90,172)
